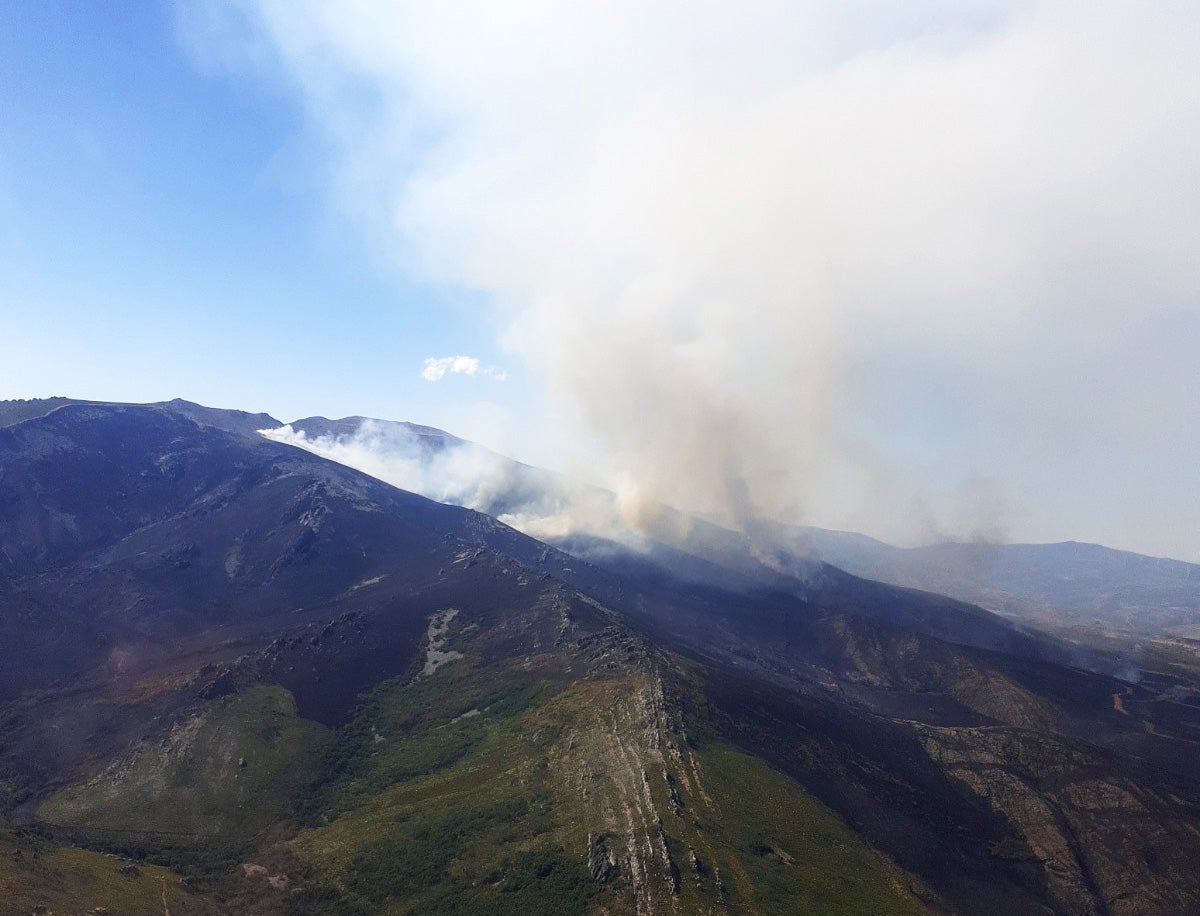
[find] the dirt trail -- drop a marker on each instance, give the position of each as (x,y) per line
(166,909)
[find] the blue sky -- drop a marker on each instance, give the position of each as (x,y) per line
(162,235)
(926,270)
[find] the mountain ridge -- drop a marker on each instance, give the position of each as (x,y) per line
(1020,581)
(320,676)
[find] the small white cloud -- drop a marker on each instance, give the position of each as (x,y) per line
(435,368)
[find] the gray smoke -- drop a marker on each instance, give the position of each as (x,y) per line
(449,470)
(792,261)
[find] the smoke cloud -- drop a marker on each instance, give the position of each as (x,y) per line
(450,470)
(806,261)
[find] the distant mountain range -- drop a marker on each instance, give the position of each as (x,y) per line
(268,682)
(1056,585)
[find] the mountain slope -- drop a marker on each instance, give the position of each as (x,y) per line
(681,548)
(311,692)
(1046,585)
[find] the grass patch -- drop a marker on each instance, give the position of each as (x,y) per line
(439,801)
(408,729)
(208,789)
(538,880)
(782,852)
(35,872)
(417,852)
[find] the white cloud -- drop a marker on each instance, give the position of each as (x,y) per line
(436,368)
(818,259)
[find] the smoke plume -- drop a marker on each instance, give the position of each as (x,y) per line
(816,261)
(450,470)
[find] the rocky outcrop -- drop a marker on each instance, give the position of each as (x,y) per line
(1106,843)
(601,861)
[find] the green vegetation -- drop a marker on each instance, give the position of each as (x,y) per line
(406,729)
(416,853)
(35,872)
(446,795)
(208,789)
(437,799)
(450,847)
(781,851)
(473,790)
(465,856)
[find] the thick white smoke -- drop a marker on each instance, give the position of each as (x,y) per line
(817,260)
(539,503)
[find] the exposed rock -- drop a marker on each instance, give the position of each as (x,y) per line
(219,686)
(436,654)
(698,867)
(672,793)
(253,870)
(601,863)
(1093,833)
(669,867)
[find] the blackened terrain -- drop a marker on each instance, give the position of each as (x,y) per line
(312,692)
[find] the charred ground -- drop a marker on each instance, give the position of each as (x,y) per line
(280,677)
